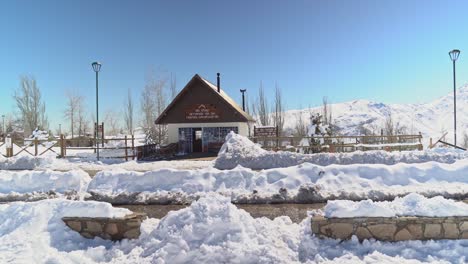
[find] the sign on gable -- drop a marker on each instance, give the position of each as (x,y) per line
(202,112)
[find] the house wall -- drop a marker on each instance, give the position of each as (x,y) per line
(173,129)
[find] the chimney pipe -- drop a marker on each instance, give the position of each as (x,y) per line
(243,98)
(219,83)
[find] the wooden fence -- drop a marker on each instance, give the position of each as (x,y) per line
(65,148)
(341,143)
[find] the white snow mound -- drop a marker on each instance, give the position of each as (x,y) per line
(239,150)
(43,181)
(411,205)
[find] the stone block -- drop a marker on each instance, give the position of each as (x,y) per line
(383,231)
(75,225)
(403,235)
(132,233)
(362,233)
(111,229)
(416,231)
(464,226)
(450,230)
(93,227)
(433,231)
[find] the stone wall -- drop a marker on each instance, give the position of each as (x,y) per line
(107,228)
(391,229)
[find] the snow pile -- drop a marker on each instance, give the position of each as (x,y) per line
(410,205)
(23,162)
(239,150)
(304,183)
(34,232)
(20,185)
(28,162)
(211,230)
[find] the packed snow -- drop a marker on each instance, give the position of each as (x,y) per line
(211,230)
(239,150)
(411,205)
(304,183)
(31,185)
(28,162)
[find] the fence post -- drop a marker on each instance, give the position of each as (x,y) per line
(126,149)
(61,146)
(102,133)
(35,146)
(133,147)
(430,142)
(420,141)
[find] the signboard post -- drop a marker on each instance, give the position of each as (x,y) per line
(9,146)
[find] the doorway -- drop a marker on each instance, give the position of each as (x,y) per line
(197,139)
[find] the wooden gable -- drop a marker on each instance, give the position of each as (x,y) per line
(200,102)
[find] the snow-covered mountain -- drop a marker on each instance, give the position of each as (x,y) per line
(431,119)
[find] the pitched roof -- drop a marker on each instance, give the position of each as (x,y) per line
(222,95)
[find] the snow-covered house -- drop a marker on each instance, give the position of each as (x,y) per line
(201,115)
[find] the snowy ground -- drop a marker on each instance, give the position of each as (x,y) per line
(239,150)
(211,230)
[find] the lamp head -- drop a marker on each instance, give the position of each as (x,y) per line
(454,54)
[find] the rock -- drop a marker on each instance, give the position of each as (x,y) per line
(403,235)
(86,235)
(132,233)
(415,230)
(451,230)
(464,226)
(341,230)
(464,235)
(93,227)
(432,231)
(111,229)
(382,231)
(362,233)
(75,225)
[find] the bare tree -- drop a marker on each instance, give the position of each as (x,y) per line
(279,110)
(82,121)
(389,128)
(30,105)
(300,128)
(153,103)
(74,106)
(173,86)
(263,113)
(128,113)
(112,122)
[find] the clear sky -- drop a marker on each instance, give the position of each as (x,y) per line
(388,51)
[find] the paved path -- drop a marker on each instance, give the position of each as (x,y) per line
(297,212)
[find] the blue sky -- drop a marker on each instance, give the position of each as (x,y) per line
(388,51)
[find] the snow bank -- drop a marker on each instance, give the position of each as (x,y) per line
(15,184)
(304,183)
(410,205)
(211,230)
(23,162)
(28,162)
(239,150)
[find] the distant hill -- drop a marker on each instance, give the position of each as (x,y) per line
(431,119)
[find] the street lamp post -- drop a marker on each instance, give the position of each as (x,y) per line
(243,98)
(97,68)
(454,56)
